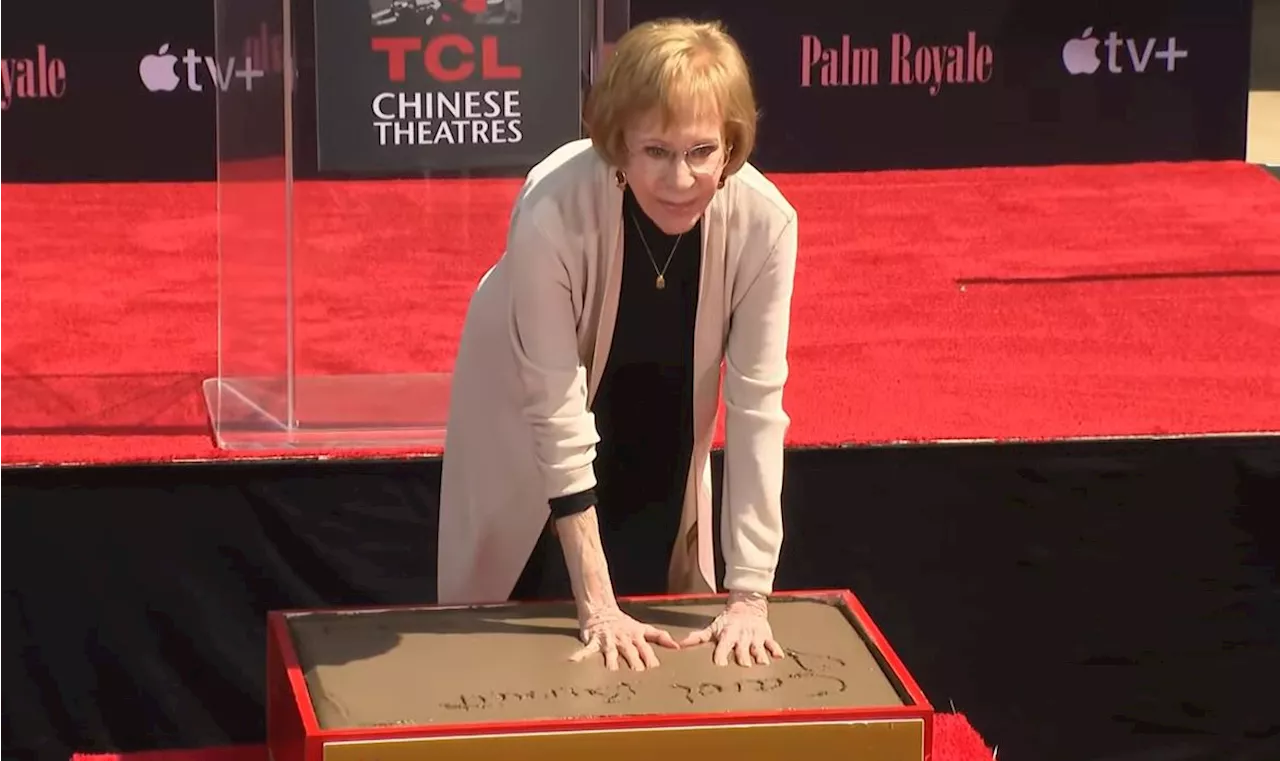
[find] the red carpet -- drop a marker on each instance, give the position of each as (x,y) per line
(983,304)
(953,740)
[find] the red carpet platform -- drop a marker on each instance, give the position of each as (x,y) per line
(986,304)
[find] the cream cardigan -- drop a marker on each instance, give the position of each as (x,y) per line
(533,349)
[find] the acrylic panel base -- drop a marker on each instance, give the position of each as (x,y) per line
(328,411)
(495,681)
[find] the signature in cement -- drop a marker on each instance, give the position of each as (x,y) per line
(812,671)
(608,695)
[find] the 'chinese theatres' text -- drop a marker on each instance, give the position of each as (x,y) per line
(472,117)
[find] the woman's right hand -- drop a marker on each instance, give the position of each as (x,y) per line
(614,633)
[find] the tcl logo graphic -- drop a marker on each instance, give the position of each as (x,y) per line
(431,12)
(451,10)
(43,77)
(446,58)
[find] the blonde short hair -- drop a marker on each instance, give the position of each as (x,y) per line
(679,66)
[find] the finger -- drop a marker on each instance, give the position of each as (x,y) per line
(774,648)
(700,637)
(631,655)
(647,654)
(610,654)
(759,654)
(742,652)
(724,647)
(661,637)
(591,649)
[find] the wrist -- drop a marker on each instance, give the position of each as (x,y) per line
(748,601)
(594,605)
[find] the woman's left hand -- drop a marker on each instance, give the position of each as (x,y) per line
(742,630)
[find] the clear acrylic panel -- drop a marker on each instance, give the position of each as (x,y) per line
(251,398)
(368,154)
(612,20)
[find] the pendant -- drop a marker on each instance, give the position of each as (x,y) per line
(660,283)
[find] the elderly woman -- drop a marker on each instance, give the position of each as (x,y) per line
(644,268)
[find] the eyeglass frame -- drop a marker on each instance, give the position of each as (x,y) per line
(683,155)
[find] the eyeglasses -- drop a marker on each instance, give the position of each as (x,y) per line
(707,158)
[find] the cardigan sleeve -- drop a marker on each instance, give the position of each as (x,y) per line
(544,337)
(755,422)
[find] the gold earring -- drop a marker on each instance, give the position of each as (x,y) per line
(621,177)
(720,184)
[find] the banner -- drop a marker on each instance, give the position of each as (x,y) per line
(862,84)
(446,85)
(110,91)
(97,91)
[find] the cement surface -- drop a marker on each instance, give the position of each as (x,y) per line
(422,667)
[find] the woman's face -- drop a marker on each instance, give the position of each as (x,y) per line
(673,170)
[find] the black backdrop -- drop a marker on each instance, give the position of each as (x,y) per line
(1078,602)
(107,126)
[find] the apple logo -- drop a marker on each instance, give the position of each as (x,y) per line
(1080,56)
(158,71)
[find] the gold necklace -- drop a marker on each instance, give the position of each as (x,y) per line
(661,282)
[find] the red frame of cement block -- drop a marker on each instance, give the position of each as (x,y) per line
(294,733)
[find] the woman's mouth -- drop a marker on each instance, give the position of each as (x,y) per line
(678,208)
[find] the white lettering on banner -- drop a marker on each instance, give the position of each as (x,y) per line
(926,66)
(41,78)
(1080,55)
(1139,60)
(159,71)
(472,117)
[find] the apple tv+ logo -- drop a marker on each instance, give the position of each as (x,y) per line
(1080,55)
(159,71)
